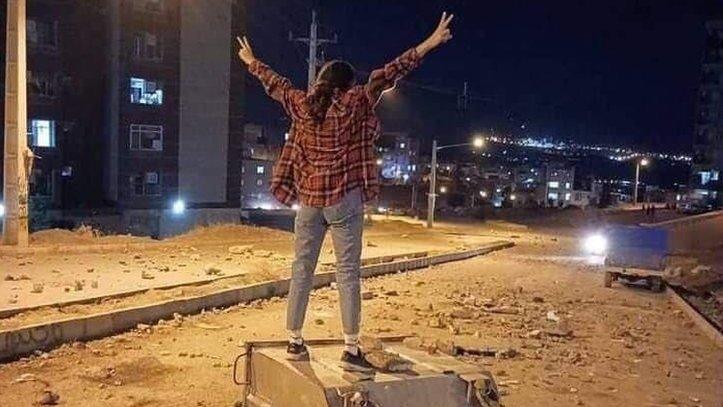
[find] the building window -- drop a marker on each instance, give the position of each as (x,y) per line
(147,46)
(402,145)
(553,184)
(43,84)
(150,6)
(42,34)
(259,182)
(567,196)
(42,133)
(146,137)
(567,185)
(146,184)
(553,196)
(146,92)
(260,169)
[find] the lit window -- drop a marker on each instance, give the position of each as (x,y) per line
(43,133)
(402,145)
(704,177)
(286,136)
(553,184)
(146,137)
(259,182)
(568,196)
(553,196)
(147,46)
(714,175)
(260,169)
(145,92)
(146,184)
(567,185)
(414,167)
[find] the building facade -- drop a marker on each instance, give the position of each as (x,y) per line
(706,184)
(64,98)
(257,164)
(399,155)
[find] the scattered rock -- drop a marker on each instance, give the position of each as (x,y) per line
(244,249)
(146,275)
(26,377)
(195,257)
(392,293)
(436,323)
(370,244)
(388,362)
(538,299)
(551,316)
(48,398)
(94,284)
(367,295)
(213,271)
(319,321)
(508,353)
(534,334)
(37,288)
(204,325)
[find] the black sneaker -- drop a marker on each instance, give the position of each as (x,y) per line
(296,351)
(355,363)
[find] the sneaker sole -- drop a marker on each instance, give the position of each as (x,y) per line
(349,367)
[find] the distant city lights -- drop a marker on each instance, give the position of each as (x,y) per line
(611,153)
(443,190)
(483,194)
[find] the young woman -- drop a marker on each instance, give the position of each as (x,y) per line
(328,167)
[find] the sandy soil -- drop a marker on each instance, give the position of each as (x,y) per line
(627,347)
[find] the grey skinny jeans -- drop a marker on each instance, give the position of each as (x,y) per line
(345,220)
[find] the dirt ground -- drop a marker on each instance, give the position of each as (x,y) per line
(621,346)
(191,264)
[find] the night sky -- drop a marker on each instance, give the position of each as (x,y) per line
(620,72)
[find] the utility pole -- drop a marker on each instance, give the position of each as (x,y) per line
(314,41)
(432,196)
(17,155)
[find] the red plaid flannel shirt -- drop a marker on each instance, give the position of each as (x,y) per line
(320,163)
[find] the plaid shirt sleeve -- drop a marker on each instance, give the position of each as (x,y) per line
(386,78)
(282,181)
(279,88)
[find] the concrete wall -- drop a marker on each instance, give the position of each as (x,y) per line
(694,233)
(204,103)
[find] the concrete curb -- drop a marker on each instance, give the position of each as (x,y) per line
(17,342)
(706,326)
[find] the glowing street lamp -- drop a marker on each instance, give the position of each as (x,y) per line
(643,162)
(483,194)
(477,142)
(179,207)
(443,190)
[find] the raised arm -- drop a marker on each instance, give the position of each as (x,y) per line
(385,78)
(277,87)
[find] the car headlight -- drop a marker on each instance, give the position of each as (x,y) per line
(595,244)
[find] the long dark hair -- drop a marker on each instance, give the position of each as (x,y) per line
(335,76)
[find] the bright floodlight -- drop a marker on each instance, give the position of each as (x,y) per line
(381,209)
(295,207)
(380,161)
(644,162)
(443,190)
(478,142)
(2,210)
(483,194)
(513,197)
(596,245)
(179,207)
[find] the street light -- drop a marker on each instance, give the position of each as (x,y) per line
(443,190)
(640,163)
(478,142)
(483,194)
(178,207)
